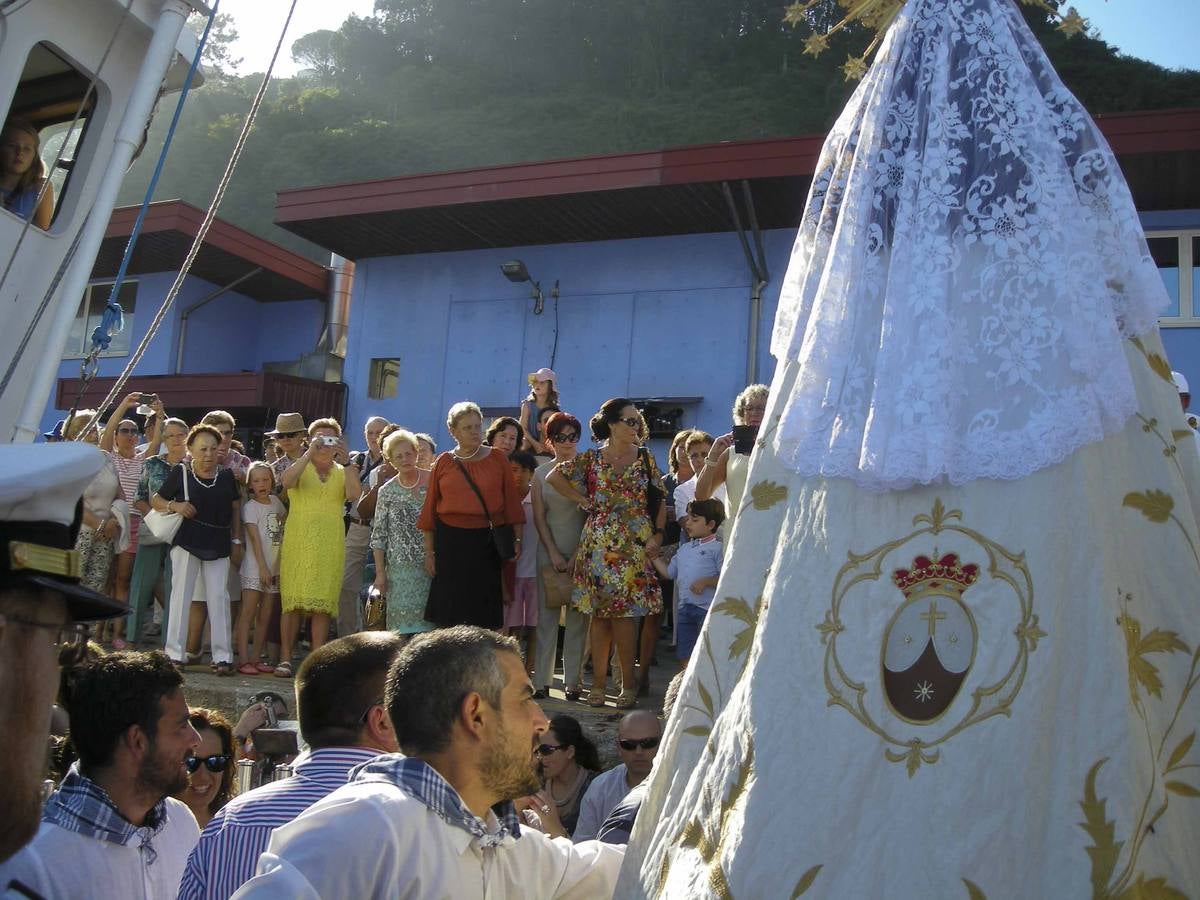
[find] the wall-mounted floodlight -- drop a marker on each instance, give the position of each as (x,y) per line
(514,270)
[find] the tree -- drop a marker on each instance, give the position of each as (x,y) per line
(318,51)
(217,58)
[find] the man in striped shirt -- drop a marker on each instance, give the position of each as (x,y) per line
(339,699)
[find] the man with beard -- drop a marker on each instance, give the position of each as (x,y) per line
(437,820)
(40,603)
(111,829)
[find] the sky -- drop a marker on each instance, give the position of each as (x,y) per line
(1162,31)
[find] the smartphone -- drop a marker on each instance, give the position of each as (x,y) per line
(743,439)
(147,399)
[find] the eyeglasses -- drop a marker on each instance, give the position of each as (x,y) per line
(362,720)
(561,438)
(128,431)
(70,640)
(632,421)
(645,743)
(214,764)
(547,749)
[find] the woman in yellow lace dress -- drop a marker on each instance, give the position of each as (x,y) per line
(310,561)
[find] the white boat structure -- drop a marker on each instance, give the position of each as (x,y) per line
(89,74)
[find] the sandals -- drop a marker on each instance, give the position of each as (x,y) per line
(627,699)
(265,667)
(119,644)
(284,670)
(541,693)
(572,694)
(193,658)
(596,698)
(247,668)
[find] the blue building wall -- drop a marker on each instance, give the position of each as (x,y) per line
(658,317)
(230,334)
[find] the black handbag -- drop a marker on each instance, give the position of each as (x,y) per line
(504,537)
(654,494)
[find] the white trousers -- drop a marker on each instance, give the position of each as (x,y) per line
(190,574)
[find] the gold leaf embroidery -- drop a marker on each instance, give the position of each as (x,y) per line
(805,882)
(973,891)
(937,517)
(742,611)
(1180,751)
(1182,788)
(1154,889)
(766,494)
(698,731)
(1180,433)
(1154,505)
(1105,848)
(1156,361)
(1137,646)
(705,698)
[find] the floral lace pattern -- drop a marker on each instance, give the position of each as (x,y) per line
(968,263)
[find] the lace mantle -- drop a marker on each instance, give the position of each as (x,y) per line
(968,263)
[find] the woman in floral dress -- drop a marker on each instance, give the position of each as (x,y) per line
(614,582)
(396,541)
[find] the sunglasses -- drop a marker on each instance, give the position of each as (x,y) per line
(289,434)
(645,744)
(214,764)
(547,749)
(632,422)
(565,439)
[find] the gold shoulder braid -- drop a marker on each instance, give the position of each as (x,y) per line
(878,15)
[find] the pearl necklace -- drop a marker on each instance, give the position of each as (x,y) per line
(216,475)
(408,487)
(469,456)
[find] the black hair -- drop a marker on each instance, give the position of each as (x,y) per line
(570,733)
(524,459)
(711,510)
(338,682)
(433,675)
(610,411)
(113,693)
(498,425)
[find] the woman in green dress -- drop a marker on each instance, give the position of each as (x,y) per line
(396,541)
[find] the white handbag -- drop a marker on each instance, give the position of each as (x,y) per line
(162,526)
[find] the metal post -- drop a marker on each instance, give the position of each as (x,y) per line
(183,318)
(157,61)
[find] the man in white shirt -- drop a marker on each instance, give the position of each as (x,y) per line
(112,829)
(438,821)
(638,737)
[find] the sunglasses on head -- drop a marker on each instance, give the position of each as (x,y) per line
(547,749)
(565,438)
(645,743)
(214,764)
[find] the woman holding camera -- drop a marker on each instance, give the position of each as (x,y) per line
(318,484)
(617,485)
(723,465)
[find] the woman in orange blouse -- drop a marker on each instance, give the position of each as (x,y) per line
(459,554)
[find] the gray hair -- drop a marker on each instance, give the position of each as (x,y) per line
(432,676)
(399,436)
(753,392)
(460,409)
(177,422)
(422,436)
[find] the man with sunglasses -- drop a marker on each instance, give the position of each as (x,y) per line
(339,699)
(638,737)
(41,604)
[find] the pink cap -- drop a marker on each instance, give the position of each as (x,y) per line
(543,374)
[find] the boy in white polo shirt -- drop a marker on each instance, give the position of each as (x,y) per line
(695,568)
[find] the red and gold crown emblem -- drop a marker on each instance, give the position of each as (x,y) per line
(926,574)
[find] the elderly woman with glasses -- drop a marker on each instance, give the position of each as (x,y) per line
(620,487)
(120,441)
(723,465)
(559,522)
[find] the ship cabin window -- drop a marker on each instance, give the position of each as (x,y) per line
(41,137)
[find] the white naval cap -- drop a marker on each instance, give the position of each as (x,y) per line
(1181,384)
(40,490)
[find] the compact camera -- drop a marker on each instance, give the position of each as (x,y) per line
(327,440)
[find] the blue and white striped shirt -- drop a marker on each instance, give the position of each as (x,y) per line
(230,846)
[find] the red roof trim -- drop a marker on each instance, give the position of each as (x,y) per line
(1136,132)
(177,215)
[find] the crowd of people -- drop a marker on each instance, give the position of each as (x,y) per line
(434,592)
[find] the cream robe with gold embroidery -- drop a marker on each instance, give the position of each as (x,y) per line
(1051,751)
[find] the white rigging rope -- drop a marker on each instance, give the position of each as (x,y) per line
(201,233)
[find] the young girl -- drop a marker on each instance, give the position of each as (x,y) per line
(263,514)
(543,392)
(22,173)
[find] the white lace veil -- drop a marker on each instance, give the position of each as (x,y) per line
(968,264)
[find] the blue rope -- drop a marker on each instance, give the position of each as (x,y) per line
(113,319)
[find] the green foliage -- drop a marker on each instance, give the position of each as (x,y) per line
(424,86)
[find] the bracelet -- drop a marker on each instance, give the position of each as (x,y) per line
(237,541)
(709,461)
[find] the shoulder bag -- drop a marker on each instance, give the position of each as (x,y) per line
(504,538)
(654,494)
(162,526)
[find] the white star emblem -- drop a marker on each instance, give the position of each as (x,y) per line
(923,691)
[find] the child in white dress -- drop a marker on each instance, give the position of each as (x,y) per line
(263,514)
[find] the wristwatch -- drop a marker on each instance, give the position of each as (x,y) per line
(237,541)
